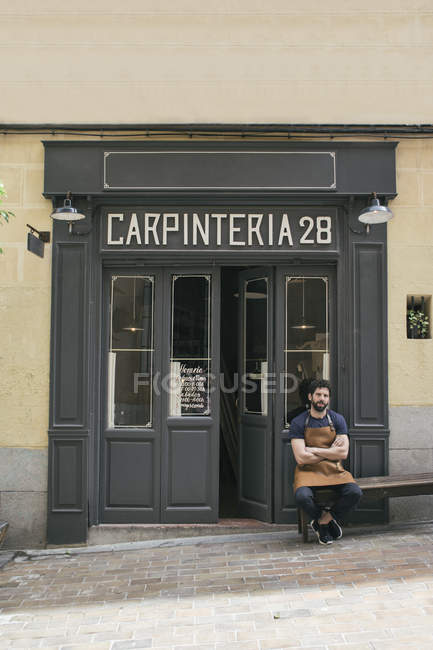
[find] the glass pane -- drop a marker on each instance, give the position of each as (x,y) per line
(306,314)
(130,359)
(256,345)
(301,369)
(130,386)
(190,319)
(190,354)
(131,309)
(307,337)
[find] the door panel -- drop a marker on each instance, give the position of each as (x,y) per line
(134,488)
(255,405)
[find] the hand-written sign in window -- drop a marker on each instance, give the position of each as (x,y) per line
(194,387)
(190,341)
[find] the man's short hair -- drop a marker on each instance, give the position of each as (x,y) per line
(319,383)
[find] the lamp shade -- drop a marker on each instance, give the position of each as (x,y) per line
(67,212)
(375,213)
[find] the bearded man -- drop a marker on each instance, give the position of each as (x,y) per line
(320,443)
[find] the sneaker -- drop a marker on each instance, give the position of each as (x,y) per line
(322,532)
(335,529)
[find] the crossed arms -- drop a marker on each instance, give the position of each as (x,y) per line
(312,455)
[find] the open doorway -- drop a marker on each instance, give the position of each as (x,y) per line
(229,417)
(245,409)
(298,319)
(246,412)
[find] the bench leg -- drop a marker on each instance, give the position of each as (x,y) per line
(303,524)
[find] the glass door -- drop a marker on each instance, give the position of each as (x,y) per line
(160,437)
(305,350)
(255,404)
(130,467)
(190,435)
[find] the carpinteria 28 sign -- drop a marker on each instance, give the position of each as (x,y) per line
(218,229)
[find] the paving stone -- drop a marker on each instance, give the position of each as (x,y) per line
(374,592)
(129,645)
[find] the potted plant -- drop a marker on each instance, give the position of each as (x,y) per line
(418,324)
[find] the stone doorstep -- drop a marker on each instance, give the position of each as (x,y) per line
(121,533)
(130,533)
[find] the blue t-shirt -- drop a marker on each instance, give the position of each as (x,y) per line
(297,425)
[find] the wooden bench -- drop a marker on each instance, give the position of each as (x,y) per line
(374,487)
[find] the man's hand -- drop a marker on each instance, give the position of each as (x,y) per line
(337,451)
(304,455)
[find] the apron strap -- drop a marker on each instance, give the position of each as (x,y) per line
(331,424)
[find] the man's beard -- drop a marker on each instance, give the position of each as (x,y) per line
(319,406)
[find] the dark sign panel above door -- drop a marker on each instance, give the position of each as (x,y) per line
(223,170)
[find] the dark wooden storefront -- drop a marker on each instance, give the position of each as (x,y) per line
(171,222)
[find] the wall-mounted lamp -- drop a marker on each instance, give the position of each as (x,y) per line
(68,213)
(374,212)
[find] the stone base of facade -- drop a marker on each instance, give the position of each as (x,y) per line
(411,451)
(23,496)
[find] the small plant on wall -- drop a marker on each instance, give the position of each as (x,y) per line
(417,320)
(5,215)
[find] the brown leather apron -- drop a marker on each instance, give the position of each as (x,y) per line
(326,472)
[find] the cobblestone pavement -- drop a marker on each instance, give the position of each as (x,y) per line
(373,591)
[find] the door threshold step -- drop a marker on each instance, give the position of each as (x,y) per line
(121,533)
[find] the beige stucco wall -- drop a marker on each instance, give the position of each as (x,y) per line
(410,267)
(24,298)
(148,61)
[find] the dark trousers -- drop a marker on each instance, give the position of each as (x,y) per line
(347,494)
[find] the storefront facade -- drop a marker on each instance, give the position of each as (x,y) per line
(242,75)
(207,281)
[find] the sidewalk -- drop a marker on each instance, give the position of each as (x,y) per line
(370,591)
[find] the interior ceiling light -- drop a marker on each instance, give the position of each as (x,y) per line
(303,325)
(133,327)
